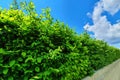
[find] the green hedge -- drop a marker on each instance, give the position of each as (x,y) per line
(36,47)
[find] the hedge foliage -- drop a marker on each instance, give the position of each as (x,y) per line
(36,47)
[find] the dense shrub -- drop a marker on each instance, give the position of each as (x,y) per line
(36,47)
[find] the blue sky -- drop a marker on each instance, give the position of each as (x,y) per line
(99,17)
(71,12)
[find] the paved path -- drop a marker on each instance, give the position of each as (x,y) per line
(110,72)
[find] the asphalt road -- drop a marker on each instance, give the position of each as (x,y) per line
(110,72)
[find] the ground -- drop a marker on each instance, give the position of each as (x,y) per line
(110,72)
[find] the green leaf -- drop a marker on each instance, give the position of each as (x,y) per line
(39,59)
(37,69)
(29,59)
(2,50)
(0,29)
(32,79)
(25,78)
(20,59)
(5,71)
(28,71)
(10,78)
(11,63)
(23,54)
(35,77)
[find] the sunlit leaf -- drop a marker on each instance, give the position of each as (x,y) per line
(23,54)
(39,59)
(37,69)
(11,63)
(5,71)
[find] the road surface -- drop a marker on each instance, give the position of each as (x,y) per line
(110,72)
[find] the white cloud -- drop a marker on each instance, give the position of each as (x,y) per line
(111,6)
(102,28)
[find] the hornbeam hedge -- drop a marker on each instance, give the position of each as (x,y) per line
(37,47)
